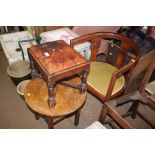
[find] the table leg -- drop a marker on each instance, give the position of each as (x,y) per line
(77,116)
(50,122)
(51,95)
(36,116)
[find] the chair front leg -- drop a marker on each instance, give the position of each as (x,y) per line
(103,114)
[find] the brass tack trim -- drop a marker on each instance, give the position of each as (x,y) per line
(28,94)
(112,45)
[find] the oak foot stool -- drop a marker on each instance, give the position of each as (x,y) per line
(69,101)
(55,61)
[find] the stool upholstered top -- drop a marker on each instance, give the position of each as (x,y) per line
(56,56)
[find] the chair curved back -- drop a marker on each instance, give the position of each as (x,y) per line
(125,48)
(95,40)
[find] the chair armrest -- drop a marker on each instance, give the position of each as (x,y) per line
(116,75)
(124,69)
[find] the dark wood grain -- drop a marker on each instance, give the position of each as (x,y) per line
(69,101)
(134,91)
(56,61)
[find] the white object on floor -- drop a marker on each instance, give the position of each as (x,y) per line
(96,125)
(150,87)
(21,87)
(9,44)
(66,34)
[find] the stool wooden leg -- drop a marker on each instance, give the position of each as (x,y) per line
(34,72)
(77,116)
(36,116)
(51,95)
(84,82)
(50,122)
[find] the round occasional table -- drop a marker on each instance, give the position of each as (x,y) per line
(69,101)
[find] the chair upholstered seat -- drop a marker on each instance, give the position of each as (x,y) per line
(100,75)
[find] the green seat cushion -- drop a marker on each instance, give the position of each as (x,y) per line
(100,75)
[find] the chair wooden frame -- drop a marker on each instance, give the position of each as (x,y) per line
(133,93)
(126,44)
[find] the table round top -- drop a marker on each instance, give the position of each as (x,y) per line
(68,99)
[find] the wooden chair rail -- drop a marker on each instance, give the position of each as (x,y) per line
(134,91)
(116,75)
(106,35)
(124,49)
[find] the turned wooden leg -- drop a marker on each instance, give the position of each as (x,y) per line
(77,116)
(50,122)
(36,116)
(34,72)
(51,95)
(103,113)
(84,82)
